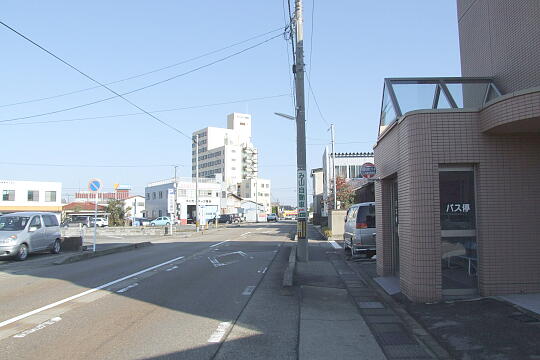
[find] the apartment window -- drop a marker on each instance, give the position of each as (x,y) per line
(160,213)
(147,196)
(233,168)
(154,196)
(8,195)
(140,204)
(33,195)
(161,196)
(233,150)
(181,192)
(153,213)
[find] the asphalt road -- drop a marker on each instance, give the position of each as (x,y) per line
(188,298)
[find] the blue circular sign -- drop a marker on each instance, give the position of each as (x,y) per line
(94,185)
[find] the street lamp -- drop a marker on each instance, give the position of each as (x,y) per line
(290,117)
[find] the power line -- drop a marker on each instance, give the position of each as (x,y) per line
(316,102)
(140,113)
(87,165)
(145,73)
(126,93)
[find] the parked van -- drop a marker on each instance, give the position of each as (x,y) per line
(23,233)
(360,230)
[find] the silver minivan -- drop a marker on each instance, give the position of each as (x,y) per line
(23,233)
(360,230)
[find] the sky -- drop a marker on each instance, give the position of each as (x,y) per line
(350,47)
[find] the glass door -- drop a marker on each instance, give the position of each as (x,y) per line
(459,258)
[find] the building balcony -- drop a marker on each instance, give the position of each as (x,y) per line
(404,95)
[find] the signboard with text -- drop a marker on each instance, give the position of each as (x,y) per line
(170,201)
(301,181)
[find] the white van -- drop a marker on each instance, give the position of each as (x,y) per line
(360,230)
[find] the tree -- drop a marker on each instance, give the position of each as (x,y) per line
(345,194)
(116,211)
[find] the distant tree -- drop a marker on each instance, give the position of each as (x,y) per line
(345,194)
(117,213)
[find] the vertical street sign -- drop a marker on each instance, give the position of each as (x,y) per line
(301,184)
(94,185)
(170,207)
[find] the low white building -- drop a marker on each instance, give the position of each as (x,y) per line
(258,190)
(135,205)
(212,197)
(30,196)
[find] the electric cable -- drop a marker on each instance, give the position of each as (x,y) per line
(116,94)
(143,74)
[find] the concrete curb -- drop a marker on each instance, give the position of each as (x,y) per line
(88,255)
(318,228)
(288,275)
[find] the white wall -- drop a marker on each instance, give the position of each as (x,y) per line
(21,202)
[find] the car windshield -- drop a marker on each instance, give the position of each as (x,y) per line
(13,223)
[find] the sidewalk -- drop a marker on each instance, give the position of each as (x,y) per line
(342,316)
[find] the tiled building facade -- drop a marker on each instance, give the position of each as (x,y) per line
(458,196)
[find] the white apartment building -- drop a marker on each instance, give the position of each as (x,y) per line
(30,196)
(257,190)
(227,151)
(135,205)
(347,166)
(212,198)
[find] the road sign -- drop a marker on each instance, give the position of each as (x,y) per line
(301,182)
(170,202)
(368,170)
(94,185)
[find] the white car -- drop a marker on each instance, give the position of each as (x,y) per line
(100,222)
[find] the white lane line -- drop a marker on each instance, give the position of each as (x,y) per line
(127,288)
(259,229)
(246,233)
(223,242)
(114,237)
(335,244)
(262,270)
(38,327)
(172,268)
(249,290)
(87,292)
(218,334)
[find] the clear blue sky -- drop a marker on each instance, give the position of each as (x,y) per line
(355,45)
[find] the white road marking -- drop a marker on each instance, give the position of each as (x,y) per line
(38,327)
(172,268)
(87,292)
(215,261)
(127,288)
(259,229)
(249,290)
(263,270)
(219,333)
(114,237)
(246,233)
(223,242)
(335,244)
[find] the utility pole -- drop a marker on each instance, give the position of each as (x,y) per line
(197,183)
(333,166)
(301,180)
(256,200)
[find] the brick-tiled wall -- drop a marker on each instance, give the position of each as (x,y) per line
(501,39)
(508,198)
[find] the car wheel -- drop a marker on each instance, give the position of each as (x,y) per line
(22,253)
(152,224)
(85,226)
(56,247)
(167,224)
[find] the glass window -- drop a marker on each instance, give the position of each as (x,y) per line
(366,215)
(457,200)
(147,196)
(161,194)
(414,96)
(154,196)
(33,195)
(50,220)
(160,213)
(468,95)
(8,195)
(50,196)
(388,113)
(36,221)
(13,223)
